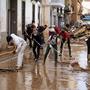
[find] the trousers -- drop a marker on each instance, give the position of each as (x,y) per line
(20,54)
(69,47)
(36,50)
(55,52)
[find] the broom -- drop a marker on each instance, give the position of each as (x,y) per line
(9,67)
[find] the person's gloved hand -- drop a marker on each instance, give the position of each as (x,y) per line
(14,52)
(48,42)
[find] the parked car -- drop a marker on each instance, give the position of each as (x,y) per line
(86,19)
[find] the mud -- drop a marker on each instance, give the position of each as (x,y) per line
(36,76)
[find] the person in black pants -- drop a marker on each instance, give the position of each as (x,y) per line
(28,33)
(40,30)
(52,43)
(88,47)
(65,37)
(36,42)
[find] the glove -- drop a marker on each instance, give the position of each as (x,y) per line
(14,52)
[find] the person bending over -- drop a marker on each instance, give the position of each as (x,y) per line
(20,44)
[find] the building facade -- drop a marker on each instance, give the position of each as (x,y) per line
(16,14)
(53,12)
(75,10)
(86,7)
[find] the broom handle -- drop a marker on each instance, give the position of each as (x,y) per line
(10,52)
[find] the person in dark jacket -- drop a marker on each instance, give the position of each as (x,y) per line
(36,42)
(40,30)
(28,33)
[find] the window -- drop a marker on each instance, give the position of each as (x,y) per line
(33,12)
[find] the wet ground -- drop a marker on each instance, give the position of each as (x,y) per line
(36,76)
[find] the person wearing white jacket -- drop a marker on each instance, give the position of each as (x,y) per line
(20,44)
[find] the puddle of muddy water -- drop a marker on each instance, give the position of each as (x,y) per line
(35,76)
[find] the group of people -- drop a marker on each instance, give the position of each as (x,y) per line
(35,36)
(61,33)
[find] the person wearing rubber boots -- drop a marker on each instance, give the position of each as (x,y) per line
(20,44)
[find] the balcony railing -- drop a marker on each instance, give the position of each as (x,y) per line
(57,1)
(37,0)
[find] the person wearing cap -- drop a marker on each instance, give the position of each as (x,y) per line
(20,44)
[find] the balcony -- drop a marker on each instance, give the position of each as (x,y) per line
(57,3)
(37,0)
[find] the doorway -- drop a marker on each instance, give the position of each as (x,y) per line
(23,16)
(12,16)
(39,15)
(33,12)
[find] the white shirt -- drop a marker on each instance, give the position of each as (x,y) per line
(18,41)
(51,30)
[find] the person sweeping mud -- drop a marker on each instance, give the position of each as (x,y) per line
(52,43)
(65,38)
(20,44)
(36,43)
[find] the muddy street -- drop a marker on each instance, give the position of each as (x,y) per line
(36,76)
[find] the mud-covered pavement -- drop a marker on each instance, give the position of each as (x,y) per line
(36,76)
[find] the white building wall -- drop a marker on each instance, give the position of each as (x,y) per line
(3,16)
(3,22)
(4,12)
(28,12)
(58,1)
(36,14)
(19,15)
(0,15)
(0,23)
